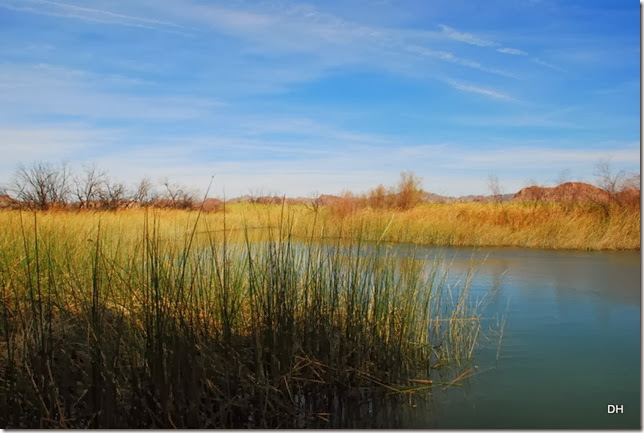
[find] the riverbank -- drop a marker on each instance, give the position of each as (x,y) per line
(585,226)
(577,226)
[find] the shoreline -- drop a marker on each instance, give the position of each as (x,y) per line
(541,225)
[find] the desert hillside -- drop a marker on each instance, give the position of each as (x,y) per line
(574,192)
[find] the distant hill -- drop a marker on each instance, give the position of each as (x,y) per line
(429,197)
(326,199)
(269,199)
(566,192)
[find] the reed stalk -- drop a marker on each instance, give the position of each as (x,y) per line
(137,320)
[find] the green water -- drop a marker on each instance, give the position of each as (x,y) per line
(571,344)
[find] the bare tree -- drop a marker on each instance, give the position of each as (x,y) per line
(88,186)
(62,192)
(178,195)
(257,195)
(144,193)
(606,179)
(113,194)
(632,182)
(495,187)
(42,185)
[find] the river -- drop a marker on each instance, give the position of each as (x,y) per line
(570,345)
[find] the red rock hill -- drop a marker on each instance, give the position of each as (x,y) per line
(566,192)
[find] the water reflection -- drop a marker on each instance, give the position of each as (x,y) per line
(614,276)
(571,344)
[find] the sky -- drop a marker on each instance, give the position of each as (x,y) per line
(303,98)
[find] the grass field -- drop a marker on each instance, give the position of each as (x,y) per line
(239,319)
(589,226)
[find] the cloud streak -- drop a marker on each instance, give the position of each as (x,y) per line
(451,58)
(527,157)
(467,38)
(464,87)
(67,10)
(538,61)
(29,90)
(512,51)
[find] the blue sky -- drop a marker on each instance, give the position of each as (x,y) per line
(296,98)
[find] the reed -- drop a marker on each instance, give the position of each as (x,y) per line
(580,226)
(242,319)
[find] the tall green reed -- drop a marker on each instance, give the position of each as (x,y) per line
(219,328)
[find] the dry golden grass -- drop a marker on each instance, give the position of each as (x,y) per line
(532,225)
(542,225)
(588,226)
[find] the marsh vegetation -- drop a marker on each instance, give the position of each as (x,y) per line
(177,319)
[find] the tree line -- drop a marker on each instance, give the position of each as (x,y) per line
(47,186)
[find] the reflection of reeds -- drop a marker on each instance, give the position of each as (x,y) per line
(133,320)
(501,328)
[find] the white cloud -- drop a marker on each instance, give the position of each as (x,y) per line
(50,142)
(543,157)
(513,51)
(480,90)
(68,10)
(308,42)
(517,121)
(29,90)
(468,38)
(452,169)
(301,167)
(450,57)
(277,28)
(547,64)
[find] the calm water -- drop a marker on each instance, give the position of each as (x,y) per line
(571,344)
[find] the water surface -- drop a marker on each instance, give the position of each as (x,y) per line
(571,343)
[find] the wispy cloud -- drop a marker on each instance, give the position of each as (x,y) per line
(67,10)
(468,38)
(517,121)
(51,142)
(450,57)
(480,90)
(547,64)
(513,51)
(283,27)
(331,41)
(360,167)
(526,157)
(37,90)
